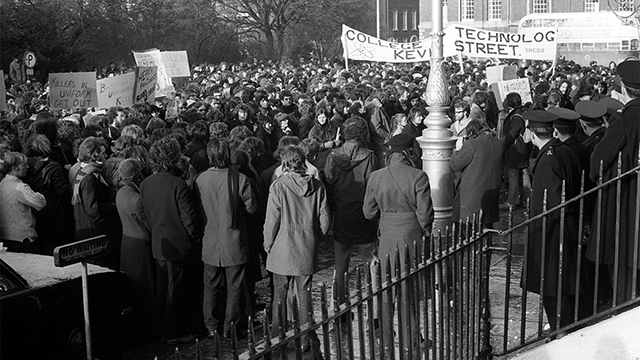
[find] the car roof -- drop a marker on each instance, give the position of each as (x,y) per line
(39,270)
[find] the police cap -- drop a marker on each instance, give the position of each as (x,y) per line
(590,111)
(540,118)
(629,71)
(401,142)
(566,118)
(611,104)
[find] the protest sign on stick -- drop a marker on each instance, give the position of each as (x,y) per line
(176,63)
(520,86)
(72,90)
(145,88)
(152,57)
(501,73)
(116,91)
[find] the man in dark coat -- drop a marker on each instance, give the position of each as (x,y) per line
(347,172)
(517,152)
(198,134)
(171,218)
(399,196)
(622,136)
(555,163)
(479,162)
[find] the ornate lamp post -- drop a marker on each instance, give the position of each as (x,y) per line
(437,141)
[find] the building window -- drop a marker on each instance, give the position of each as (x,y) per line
(591,6)
(405,20)
(540,6)
(414,18)
(395,19)
(625,5)
(495,10)
(468,10)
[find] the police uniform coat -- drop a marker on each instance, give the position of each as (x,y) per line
(555,162)
(622,136)
(479,162)
(399,196)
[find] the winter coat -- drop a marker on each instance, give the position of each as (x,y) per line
(323,134)
(517,152)
(225,235)
(297,216)
(170,215)
(622,136)
(399,196)
(555,163)
(480,163)
(197,154)
(95,214)
(347,172)
(46,177)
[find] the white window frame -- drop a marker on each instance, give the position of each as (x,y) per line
(591,5)
(495,10)
(395,19)
(625,5)
(405,20)
(414,20)
(467,10)
(540,7)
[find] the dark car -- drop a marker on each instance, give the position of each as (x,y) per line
(41,315)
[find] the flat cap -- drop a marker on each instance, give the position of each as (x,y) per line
(401,142)
(590,111)
(540,118)
(611,104)
(566,118)
(629,71)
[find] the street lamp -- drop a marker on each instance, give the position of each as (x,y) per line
(437,140)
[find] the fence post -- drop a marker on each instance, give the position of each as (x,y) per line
(485,312)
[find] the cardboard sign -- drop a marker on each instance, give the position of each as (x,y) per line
(520,86)
(152,57)
(501,73)
(176,63)
(72,90)
(116,91)
(360,46)
(481,43)
(3,92)
(81,251)
(145,91)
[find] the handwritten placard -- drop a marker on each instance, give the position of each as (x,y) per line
(72,90)
(146,77)
(520,86)
(116,91)
(152,57)
(501,73)
(3,92)
(176,63)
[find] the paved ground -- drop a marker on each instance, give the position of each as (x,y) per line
(498,291)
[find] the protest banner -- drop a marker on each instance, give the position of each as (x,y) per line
(176,63)
(520,86)
(116,91)
(501,73)
(152,57)
(3,93)
(458,39)
(72,90)
(145,88)
(481,43)
(360,46)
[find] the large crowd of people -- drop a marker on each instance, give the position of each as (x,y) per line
(257,161)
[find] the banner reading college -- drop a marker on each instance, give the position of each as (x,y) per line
(360,46)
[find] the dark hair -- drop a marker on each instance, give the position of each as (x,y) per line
(219,153)
(89,147)
(293,159)
(164,154)
(310,147)
(48,128)
(254,147)
(543,132)
(474,128)
(198,131)
(479,97)
(218,130)
(512,100)
(284,142)
(356,128)
(462,104)
(38,145)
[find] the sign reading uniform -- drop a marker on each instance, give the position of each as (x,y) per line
(72,90)
(116,91)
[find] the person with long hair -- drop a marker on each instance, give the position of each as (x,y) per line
(325,133)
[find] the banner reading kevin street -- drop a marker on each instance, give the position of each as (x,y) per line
(481,43)
(458,39)
(360,46)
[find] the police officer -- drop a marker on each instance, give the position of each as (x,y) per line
(592,121)
(611,105)
(622,137)
(564,129)
(555,163)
